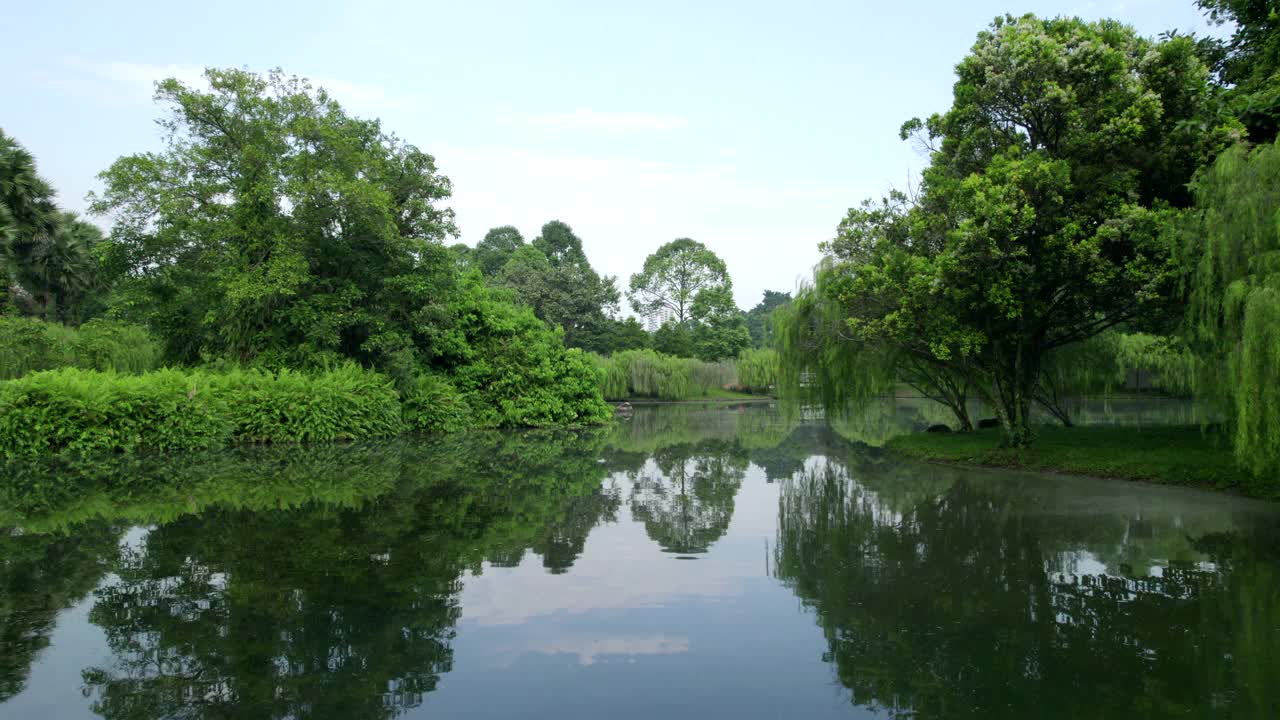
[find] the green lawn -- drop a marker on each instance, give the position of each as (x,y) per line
(1172,455)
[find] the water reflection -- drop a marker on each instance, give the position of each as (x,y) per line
(518,574)
(991,597)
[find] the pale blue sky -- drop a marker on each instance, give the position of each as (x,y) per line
(749,126)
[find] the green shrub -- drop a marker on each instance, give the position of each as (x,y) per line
(73,411)
(645,373)
(516,371)
(431,403)
(345,403)
(29,345)
(84,411)
(757,369)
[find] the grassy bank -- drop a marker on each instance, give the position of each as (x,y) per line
(1169,455)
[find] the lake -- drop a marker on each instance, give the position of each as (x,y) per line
(689,562)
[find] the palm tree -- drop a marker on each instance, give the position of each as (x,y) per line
(46,259)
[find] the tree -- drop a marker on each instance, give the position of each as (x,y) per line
(1038,222)
(275,223)
(552,276)
(760,318)
(274,229)
(1249,62)
(1230,250)
(627,334)
(719,329)
(674,338)
(47,257)
(672,278)
(492,252)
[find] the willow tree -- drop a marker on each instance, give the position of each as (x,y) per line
(1233,251)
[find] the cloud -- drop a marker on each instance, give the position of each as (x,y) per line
(588,119)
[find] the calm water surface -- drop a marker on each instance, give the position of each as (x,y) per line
(688,563)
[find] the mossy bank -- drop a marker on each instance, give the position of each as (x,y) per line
(1178,455)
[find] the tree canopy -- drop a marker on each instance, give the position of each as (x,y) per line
(672,278)
(553,276)
(275,229)
(1038,223)
(48,260)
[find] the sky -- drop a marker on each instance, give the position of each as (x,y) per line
(751,127)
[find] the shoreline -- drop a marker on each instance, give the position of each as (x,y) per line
(1182,456)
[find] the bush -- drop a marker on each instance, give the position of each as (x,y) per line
(73,411)
(645,373)
(30,345)
(757,369)
(84,411)
(431,403)
(517,372)
(289,406)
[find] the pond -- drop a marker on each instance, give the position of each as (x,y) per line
(689,562)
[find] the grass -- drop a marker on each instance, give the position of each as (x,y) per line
(1168,455)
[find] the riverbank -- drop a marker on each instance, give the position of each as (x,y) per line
(1168,455)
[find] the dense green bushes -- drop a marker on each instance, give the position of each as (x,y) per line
(649,374)
(29,345)
(513,371)
(83,411)
(645,373)
(757,369)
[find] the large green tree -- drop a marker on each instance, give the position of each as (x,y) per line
(553,276)
(672,278)
(1038,222)
(719,329)
(495,249)
(1248,62)
(276,229)
(760,318)
(274,222)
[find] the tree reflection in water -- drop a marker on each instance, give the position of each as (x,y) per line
(953,597)
(325,581)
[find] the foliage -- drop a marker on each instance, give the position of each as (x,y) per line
(672,278)
(495,249)
(719,330)
(516,371)
(757,369)
(48,263)
(554,278)
(1232,253)
(645,373)
(1039,220)
(674,338)
(72,411)
(96,345)
(273,223)
(819,360)
(1248,63)
(626,334)
(433,404)
(760,318)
